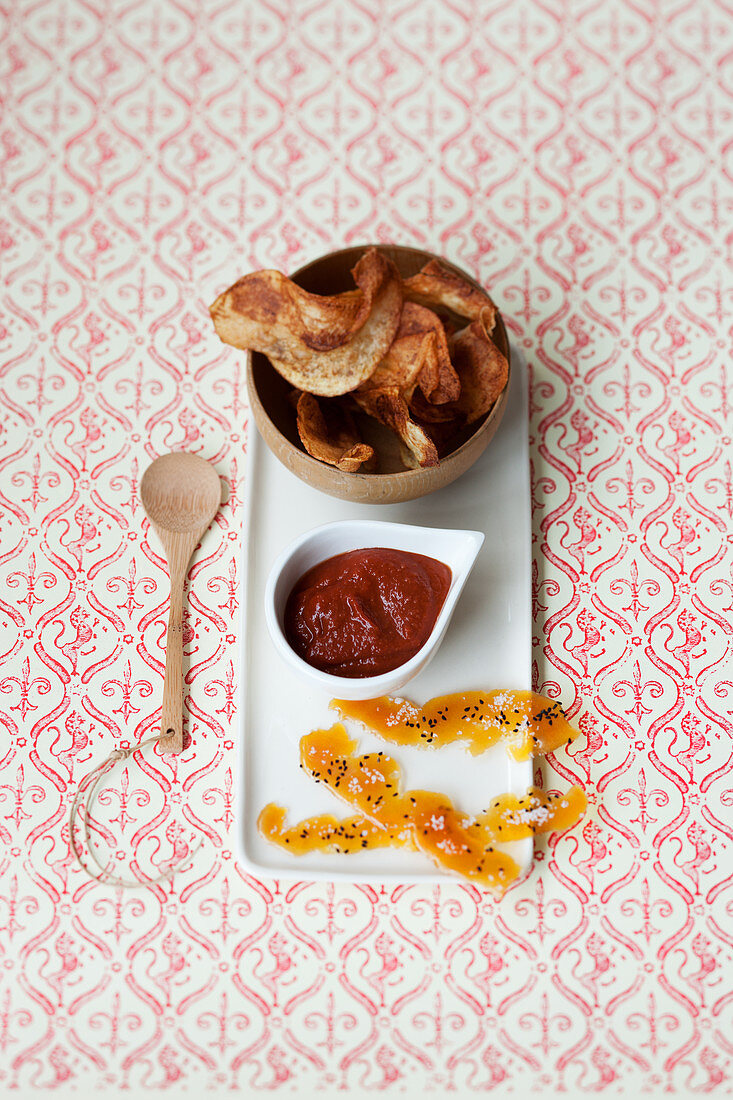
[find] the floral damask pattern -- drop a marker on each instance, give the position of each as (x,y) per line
(577,158)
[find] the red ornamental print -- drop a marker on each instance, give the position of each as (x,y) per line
(577,162)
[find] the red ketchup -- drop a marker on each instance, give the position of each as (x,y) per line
(365,612)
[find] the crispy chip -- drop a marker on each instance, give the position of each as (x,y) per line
(482,369)
(428,413)
(326,345)
(421,334)
(445,435)
(407,458)
(390,408)
(329,434)
(418,356)
(483,373)
(404,364)
(438,285)
(442,436)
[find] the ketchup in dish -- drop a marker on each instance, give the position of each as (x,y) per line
(365,612)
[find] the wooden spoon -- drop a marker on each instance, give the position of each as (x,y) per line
(181,494)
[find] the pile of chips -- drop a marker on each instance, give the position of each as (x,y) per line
(415,354)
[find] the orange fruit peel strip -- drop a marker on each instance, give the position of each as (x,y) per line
(371,784)
(526,723)
(510,817)
(513,817)
(326,833)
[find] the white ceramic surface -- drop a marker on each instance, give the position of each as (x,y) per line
(488,644)
(458,549)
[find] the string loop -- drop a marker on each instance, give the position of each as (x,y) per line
(87,791)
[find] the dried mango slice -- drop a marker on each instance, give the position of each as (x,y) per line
(511,817)
(528,724)
(326,833)
(371,783)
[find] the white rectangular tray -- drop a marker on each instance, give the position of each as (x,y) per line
(488,644)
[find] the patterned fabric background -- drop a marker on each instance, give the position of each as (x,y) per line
(577,157)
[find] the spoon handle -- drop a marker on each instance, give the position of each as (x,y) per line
(171,722)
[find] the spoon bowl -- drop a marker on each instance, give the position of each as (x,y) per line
(181,494)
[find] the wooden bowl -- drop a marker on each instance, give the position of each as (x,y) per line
(275,417)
